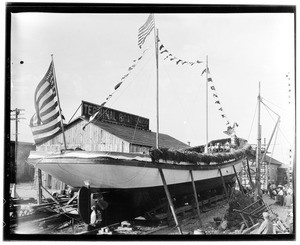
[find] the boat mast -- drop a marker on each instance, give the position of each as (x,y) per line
(56,90)
(206,146)
(258,149)
(157,86)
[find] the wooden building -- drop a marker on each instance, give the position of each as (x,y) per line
(113,131)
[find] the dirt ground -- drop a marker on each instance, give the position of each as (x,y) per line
(189,223)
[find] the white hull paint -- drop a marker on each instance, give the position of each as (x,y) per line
(77,168)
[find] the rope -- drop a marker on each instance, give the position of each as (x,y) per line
(252,121)
(97,117)
(269,108)
(75,113)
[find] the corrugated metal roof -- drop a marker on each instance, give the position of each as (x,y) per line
(140,137)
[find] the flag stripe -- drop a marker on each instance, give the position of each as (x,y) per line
(48,108)
(49,99)
(145,30)
(41,129)
(54,115)
(46,136)
(45,100)
(46,122)
(142,35)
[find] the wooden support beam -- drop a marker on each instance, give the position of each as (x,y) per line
(238,180)
(50,195)
(196,197)
(169,200)
(71,200)
(224,185)
(245,221)
(249,174)
(39,184)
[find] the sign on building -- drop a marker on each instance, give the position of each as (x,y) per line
(114,116)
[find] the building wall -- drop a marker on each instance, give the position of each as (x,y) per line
(92,138)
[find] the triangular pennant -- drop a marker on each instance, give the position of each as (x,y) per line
(178,62)
(118,85)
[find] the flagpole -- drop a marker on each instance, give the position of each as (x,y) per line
(206,147)
(61,121)
(258,149)
(157,85)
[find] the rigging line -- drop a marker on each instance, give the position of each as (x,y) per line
(179,100)
(111,95)
(280,129)
(272,103)
(75,113)
(285,138)
(129,84)
(252,120)
(274,142)
(267,109)
(270,108)
(142,104)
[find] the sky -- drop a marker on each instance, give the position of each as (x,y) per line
(92,52)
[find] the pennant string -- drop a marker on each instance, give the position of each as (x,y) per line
(96,115)
(170,57)
(214,94)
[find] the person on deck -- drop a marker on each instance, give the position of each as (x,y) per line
(266,226)
(280,196)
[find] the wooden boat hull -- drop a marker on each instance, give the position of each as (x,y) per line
(131,183)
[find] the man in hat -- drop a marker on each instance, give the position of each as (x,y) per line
(280,195)
(266,226)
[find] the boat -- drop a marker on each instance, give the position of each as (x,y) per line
(131,183)
(134,183)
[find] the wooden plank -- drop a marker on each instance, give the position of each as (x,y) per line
(50,195)
(238,180)
(224,185)
(170,200)
(196,197)
(39,184)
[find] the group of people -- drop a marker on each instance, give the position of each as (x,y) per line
(219,147)
(282,194)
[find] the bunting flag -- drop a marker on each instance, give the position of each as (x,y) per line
(97,115)
(215,95)
(170,57)
(145,30)
(46,121)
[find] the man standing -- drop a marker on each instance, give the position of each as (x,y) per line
(266,226)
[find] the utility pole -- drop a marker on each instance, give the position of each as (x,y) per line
(258,151)
(16,118)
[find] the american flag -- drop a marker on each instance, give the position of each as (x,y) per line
(145,30)
(47,120)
